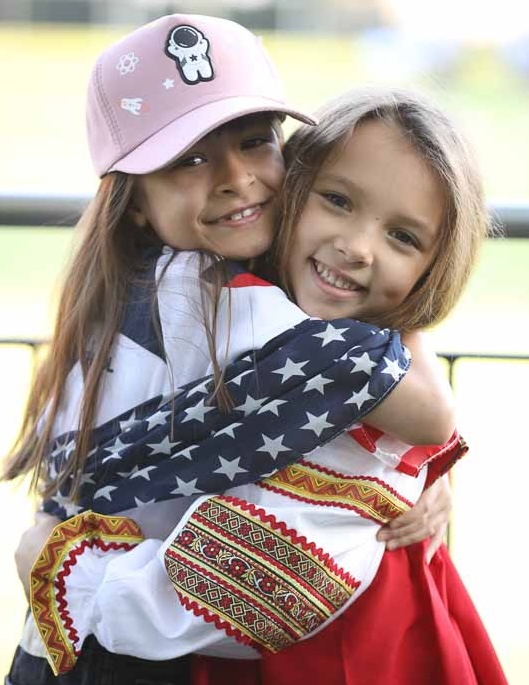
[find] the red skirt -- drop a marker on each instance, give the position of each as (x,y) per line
(415,625)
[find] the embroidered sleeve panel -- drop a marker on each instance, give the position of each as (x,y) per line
(314,484)
(244,571)
(61,630)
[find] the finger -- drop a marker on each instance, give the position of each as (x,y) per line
(43,518)
(435,542)
(418,525)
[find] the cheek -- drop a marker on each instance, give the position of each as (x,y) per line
(402,284)
(274,171)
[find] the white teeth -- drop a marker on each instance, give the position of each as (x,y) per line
(241,215)
(333,279)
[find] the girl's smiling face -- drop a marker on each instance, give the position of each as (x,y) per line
(368,231)
(221,194)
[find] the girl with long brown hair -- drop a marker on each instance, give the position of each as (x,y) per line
(383,214)
(183,120)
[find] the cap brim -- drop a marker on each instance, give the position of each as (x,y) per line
(179,135)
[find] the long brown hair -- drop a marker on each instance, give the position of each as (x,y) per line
(109,256)
(443,148)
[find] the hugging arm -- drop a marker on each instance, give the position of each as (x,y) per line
(420,410)
(312,369)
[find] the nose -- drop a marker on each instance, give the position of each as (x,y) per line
(234,174)
(356,246)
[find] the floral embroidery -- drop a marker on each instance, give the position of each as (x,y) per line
(240,568)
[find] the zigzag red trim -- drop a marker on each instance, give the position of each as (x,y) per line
(217,579)
(60,583)
(279,484)
(56,627)
(244,610)
(344,476)
(301,540)
(271,562)
(228,628)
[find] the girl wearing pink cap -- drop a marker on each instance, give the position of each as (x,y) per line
(177,176)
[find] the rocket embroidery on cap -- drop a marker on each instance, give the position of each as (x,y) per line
(132,105)
(188,47)
(127,63)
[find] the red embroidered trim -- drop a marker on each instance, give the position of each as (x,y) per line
(55,562)
(60,583)
(368,496)
(239,568)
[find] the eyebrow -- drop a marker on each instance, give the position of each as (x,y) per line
(244,122)
(404,219)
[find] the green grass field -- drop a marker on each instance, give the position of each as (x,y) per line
(42,141)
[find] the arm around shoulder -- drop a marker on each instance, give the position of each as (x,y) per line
(421,409)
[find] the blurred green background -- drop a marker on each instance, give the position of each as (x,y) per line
(43,75)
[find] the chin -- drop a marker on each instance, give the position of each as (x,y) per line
(253,249)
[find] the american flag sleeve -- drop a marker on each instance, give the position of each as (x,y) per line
(296,393)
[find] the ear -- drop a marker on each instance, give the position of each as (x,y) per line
(136,213)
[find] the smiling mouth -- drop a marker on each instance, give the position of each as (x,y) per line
(335,279)
(241,216)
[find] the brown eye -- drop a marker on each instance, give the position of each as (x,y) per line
(337,200)
(257,140)
(405,237)
(191,160)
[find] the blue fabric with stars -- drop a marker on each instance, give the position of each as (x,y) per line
(298,392)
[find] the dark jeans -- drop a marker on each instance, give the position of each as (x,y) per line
(97,666)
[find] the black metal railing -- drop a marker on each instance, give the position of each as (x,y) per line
(24,209)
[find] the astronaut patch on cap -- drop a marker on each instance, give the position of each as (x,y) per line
(188,47)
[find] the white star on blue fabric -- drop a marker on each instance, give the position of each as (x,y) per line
(68,449)
(272,407)
(186,489)
(185,453)
(330,334)
(230,467)
(126,425)
(393,368)
(158,419)
(291,369)
(363,363)
(86,478)
(197,412)
(237,380)
(105,492)
(251,404)
(317,423)
(142,473)
(228,430)
(165,446)
(70,507)
(115,450)
(202,388)
(273,446)
(140,503)
(317,383)
(359,398)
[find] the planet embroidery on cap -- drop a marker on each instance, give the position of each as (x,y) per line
(188,47)
(127,63)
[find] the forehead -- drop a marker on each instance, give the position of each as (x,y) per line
(380,166)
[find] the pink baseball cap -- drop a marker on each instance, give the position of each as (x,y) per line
(159,90)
